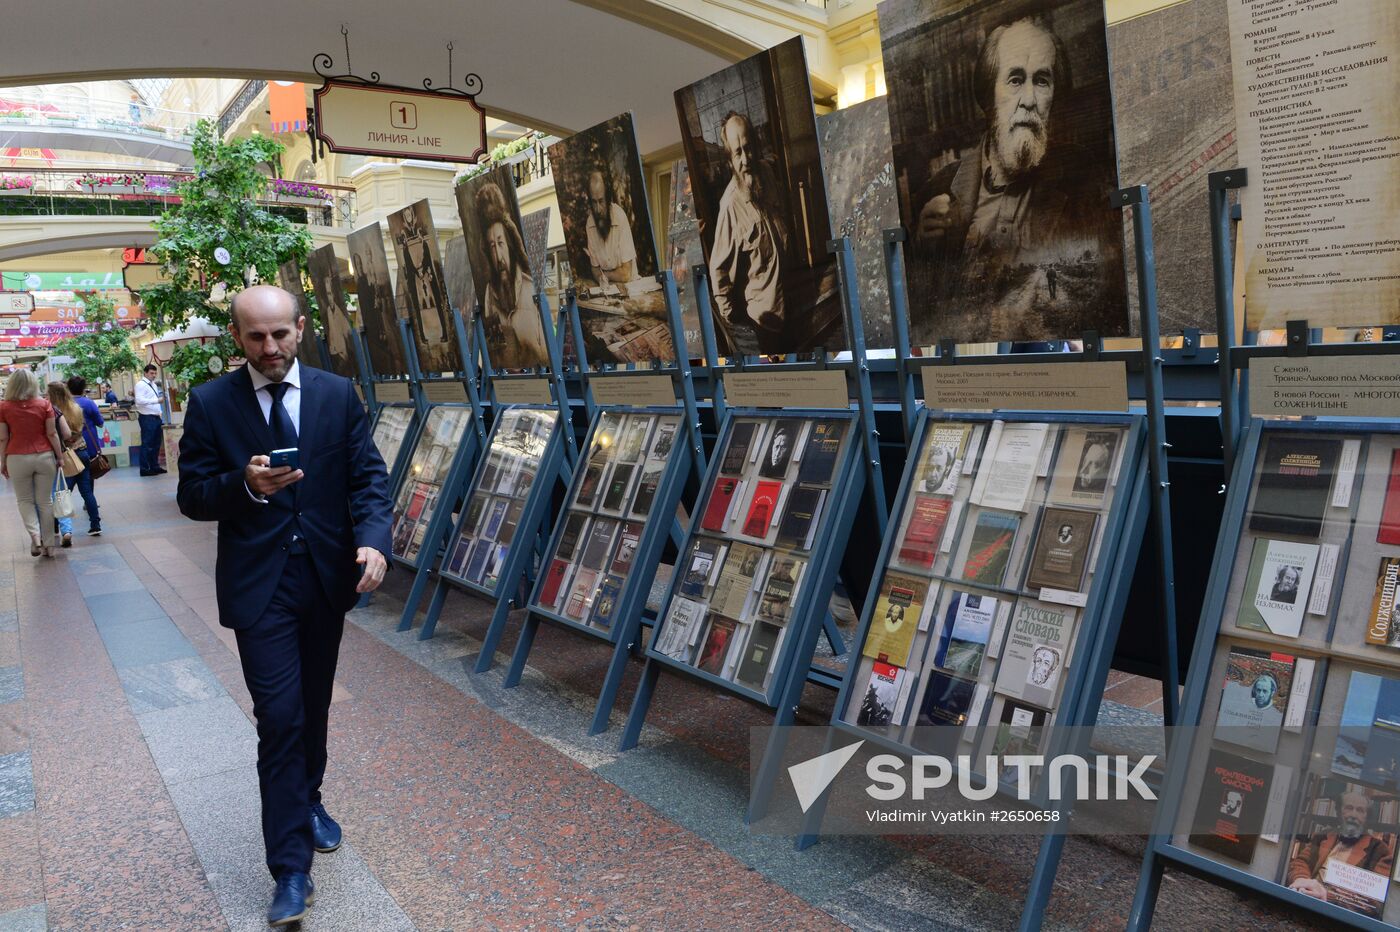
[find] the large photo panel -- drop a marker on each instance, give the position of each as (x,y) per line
(1001,119)
(750,139)
(500,270)
(608,237)
(324,269)
(416,246)
(289,280)
(376,294)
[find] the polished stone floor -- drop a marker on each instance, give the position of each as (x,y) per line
(128,795)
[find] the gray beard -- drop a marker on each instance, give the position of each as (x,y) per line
(1018,150)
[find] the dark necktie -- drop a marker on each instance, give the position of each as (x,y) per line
(284,435)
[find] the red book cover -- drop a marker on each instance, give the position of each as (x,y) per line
(761,508)
(920,544)
(557,571)
(718,506)
(1389,532)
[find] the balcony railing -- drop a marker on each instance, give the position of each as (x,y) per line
(247,95)
(72,111)
(61,193)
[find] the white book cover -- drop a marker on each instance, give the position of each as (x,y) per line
(1011,471)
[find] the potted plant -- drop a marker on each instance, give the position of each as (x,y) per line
(112,184)
(298,192)
(12,185)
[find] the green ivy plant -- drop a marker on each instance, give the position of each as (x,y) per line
(218,210)
(98,355)
(500,153)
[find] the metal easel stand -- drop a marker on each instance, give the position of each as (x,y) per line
(454,485)
(364,371)
(626,630)
(1240,444)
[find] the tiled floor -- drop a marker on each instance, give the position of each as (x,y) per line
(128,795)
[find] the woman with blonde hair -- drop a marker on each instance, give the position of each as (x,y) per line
(70,430)
(30,453)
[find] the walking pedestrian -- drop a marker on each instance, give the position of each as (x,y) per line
(70,432)
(30,454)
(92,420)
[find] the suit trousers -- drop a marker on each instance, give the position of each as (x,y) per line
(151,432)
(289,656)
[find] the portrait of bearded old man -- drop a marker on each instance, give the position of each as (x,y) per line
(1005,180)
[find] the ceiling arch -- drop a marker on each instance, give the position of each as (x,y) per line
(559,65)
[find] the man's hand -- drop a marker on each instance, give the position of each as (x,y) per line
(373,562)
(935,220)
(1310,887)
(266,480)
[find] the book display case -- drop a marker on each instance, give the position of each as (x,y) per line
(1290,785)
(394,429)
(442,449)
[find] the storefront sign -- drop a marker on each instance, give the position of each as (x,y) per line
(16,302)
(634,390)
(786,389)
(1063,386)
(522,391)
(400,122)
(1325,386)
(60,281)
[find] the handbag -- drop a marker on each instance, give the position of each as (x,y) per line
(62,499)
(72,463)
(99,466)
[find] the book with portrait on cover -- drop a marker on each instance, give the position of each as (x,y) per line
(1061,552)
(896,619)
(1275,593)
(1038,646)
(1254,698)
(1230,810)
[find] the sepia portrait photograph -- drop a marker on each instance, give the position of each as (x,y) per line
(289,279)
(324,269)
(860,189)
(425,288)
(1001,121)
(500,270)
(457,272)
(750,139)
(608,237)
(378,312)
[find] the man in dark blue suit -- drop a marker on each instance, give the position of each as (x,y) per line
(292,558)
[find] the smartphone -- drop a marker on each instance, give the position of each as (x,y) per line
(289,457)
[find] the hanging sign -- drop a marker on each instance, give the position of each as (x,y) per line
(373,119)
(16,302)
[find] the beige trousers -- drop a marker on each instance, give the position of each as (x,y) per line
(32,475)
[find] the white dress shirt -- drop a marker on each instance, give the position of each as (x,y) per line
(291,400)
(147,397)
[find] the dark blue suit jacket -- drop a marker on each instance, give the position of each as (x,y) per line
(343,502)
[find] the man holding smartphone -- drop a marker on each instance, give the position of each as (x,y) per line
(293,557)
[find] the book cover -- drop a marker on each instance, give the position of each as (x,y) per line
(819,455)
(664,440)
(1389,530)
(599,546)
(605,605)
(699,566)
(1020,730)
(495,564)
(1383,624)
(646,490)
(941,466)
(1230,810)
(736,454)
(1295,483)
(947,700)
(1037,649)
(628,537)
(780,588)
(574,526)
(758,656)
(736,579)
(927,518)
(1009,470)
(966,632)
(800,517)
(588,485)
(716,644)
(1368,737)
(476,508)
(761,508)
(512,520)
(1275,594)
(1254,698)
(605,439)
(781,444)
(1084,470)
(1344,846)
(458,559)
(619,485)
(718,504)
(634,439)
(896,618)
(878,708)
(581,592)
(490,473)
(495,517)
(990,549)
(553,581)
(680,630)
(1061,552)
(476,563)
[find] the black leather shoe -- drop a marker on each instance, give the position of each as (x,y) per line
(295,892)
(325,831)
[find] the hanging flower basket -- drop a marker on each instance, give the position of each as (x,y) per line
(112,184)
(16,185)
(298,192)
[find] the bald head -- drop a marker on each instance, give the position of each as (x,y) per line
(267,327)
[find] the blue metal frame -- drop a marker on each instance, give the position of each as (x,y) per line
(522,547)
(809,609)
(1160,849)
(410,440)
